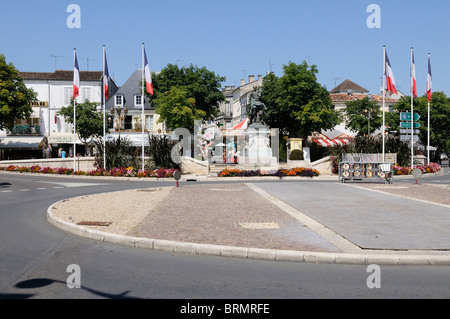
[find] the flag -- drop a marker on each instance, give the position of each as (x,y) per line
(413,76)
(106,78)
(76,79)
(389,75)
(148,75)
(429,79)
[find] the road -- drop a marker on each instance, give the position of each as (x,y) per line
(36,256)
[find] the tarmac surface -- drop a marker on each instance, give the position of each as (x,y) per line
(295,220)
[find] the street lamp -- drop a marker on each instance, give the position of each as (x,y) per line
(370,114)
(119,112)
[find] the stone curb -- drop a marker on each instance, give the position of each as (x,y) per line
(245,252)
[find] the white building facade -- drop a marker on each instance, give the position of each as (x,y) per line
(54,91)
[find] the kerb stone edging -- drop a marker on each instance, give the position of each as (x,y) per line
(244,252)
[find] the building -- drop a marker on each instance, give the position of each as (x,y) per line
(128,99)
(241,98)
(349,91)
(54,91)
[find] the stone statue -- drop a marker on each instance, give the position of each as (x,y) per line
(256,108)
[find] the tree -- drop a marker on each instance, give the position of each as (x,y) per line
(363,116)
(199,84)
(439,118)
(15,97)
(177,109)
(89,123)
(296,103)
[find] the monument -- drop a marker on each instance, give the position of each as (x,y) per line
(258,152)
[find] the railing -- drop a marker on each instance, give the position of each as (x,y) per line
(26,130)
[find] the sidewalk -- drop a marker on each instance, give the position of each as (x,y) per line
(268,221)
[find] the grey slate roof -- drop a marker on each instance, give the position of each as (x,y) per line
(131,88)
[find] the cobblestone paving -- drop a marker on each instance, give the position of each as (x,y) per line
(232,215)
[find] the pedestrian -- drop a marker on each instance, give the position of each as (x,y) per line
(63,154)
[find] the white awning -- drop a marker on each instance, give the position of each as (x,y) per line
(22,142)
(135,138)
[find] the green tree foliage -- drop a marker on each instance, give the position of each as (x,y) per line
(201,90)
(296,103)
(177,109)
(15,97)
(363,115)
(89,124)
(439,118)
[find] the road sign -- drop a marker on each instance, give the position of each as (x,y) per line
(408,131)
(408,125)
(404,116)
(407,138)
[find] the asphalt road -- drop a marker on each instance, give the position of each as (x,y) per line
(35,257)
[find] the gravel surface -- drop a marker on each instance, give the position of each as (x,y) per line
(123,210)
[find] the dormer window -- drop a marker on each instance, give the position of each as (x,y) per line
(119,100)
(138,100)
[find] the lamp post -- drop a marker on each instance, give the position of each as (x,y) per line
(370,114)
(118,110)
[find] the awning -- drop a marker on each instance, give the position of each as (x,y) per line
(241,126)
(325,142)
(22,142)
(63,138)
(135,138)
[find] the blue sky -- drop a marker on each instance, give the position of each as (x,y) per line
(233,38)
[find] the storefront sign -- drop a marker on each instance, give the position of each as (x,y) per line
(39,104)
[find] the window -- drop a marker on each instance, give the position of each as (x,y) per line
(138,100)
(149,123)
(128,122)
(68,93)
(119,100)
(85,94)
(110,122)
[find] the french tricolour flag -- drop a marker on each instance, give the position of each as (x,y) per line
(390,79)
(413,76)
(429,79)
(106,78)
(76,78)
(148,75)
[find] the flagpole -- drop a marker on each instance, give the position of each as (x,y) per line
(412,110)
(74,120)
(384,99)
(104,111)
(143,102)
(428,144)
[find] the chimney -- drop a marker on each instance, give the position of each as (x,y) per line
(251,78)
(242,82)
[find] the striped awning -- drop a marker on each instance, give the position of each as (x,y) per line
(325,142)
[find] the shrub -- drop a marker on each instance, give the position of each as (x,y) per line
(296,155)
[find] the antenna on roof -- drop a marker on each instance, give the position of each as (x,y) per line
(243,71)
(56,57)
(335,81)
(87,62)
(270,65)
